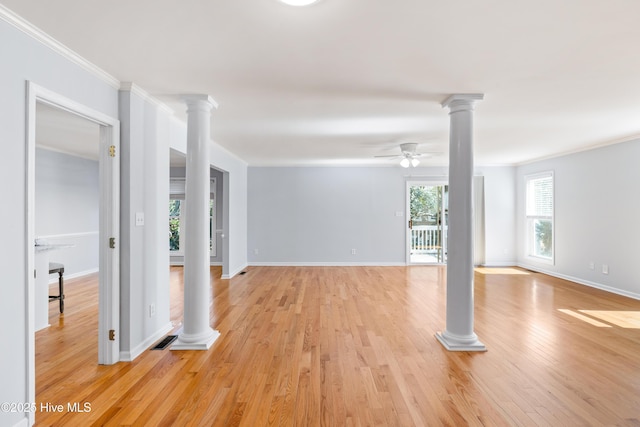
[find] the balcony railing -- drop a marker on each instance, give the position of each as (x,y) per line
(428,239)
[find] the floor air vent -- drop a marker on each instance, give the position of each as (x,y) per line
(165,342)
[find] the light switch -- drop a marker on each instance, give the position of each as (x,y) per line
(139,219)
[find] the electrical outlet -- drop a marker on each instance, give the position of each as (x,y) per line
(353,251)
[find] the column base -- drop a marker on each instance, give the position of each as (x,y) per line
(196,342)
(457,343)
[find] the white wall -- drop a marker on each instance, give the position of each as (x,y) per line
(144,253)
(596,217)
(318,215)
(67,192)
(24,59)
(500,217)
(234,200)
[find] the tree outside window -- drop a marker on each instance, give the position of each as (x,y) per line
(539,213)
(174,225)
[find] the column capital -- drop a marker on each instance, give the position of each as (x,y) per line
(199,100)
(461,101)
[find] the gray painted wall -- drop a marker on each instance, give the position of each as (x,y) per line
(317,215)
(144,254)
(25,59)
(596,216)
(67,196)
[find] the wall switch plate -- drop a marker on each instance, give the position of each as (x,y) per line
(605,269)
(139,219)
(152,310)
(256,251)
(353,251)
(399,213)
(591,265)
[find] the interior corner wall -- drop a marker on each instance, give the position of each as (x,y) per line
(500,215)
(596,211)
(144,268)
(24,58)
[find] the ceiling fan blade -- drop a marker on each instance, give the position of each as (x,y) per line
(428,153)
(389,156)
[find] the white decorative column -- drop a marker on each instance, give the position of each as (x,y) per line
(459,335)
(196,333)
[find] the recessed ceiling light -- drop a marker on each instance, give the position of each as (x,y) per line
(298,2)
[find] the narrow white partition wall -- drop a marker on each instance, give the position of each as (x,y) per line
(459,335)
(196,333)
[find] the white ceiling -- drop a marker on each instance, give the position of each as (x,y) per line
(342,81)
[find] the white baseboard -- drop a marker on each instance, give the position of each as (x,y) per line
(581,281)
(22,423)
(233,273)
(129,356)
(181,263)
(54,280)
(500,264)
(327,264)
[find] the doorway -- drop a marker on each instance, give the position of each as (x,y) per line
(427,227)
(108,227)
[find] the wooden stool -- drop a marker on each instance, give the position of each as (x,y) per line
(55,267)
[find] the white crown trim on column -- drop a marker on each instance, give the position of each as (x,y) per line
(31,30)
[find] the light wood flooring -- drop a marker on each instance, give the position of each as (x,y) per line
(355,346)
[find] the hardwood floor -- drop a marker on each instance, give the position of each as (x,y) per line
(355,346)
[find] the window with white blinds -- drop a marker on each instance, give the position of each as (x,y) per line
(539,216)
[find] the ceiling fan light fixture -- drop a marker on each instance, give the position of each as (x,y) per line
(415,162)
(298,2)
(405,163)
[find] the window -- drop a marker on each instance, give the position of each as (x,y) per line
(177,216)
(539,216)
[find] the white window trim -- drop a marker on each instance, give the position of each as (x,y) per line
(528,218)
(177,184)
(179,252)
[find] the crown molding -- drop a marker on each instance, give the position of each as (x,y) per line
(135,89)
(31,30)
(630,138)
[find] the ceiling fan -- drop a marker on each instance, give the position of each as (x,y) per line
(409,154)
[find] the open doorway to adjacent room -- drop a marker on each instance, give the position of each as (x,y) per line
(73,181)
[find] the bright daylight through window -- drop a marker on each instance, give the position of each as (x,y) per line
(539,216)
(177,217)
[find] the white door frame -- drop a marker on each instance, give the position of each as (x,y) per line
(109,265)
(435,182)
